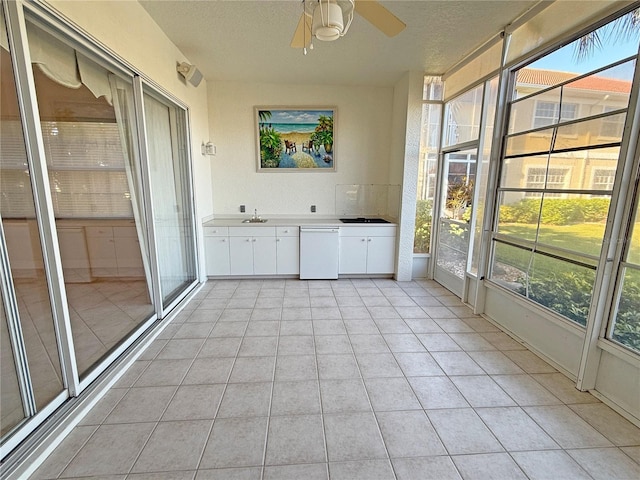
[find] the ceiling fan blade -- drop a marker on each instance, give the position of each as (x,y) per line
(302,35)
(380,17)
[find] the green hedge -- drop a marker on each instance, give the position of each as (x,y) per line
(569,294)
(556,211)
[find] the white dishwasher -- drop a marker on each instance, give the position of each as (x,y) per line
(319,253)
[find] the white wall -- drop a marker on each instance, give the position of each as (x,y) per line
(362,146)
(128,30)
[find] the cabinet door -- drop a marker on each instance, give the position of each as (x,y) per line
(288,255)
(102,255)
(241,255)
(264,255)
(381,254)
(128,256)
(216,252)
(353,255)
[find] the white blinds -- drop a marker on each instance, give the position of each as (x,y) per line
(86,170)
(481,67)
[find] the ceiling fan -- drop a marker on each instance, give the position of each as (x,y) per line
(329,20)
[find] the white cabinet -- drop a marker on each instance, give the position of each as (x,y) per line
(288,250)
(102,251)
(216,249)
(252,250)
(367,250)
(114,251)
(128,254)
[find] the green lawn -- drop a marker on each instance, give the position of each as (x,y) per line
(585,238)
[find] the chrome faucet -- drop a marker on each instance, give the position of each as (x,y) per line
(255,218)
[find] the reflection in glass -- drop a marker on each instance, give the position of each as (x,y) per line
(462,117)
(589,169)
(171,193)
(11,411)
(94,184)
(24,250)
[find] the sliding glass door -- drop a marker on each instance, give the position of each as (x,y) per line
(93,185)
(97,224)
(167,149)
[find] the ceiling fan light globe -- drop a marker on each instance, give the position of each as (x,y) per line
(328,22)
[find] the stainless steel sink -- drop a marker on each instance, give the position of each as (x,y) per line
(255,220)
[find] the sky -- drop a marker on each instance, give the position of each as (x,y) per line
(611,51)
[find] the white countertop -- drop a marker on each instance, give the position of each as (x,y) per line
(275,221)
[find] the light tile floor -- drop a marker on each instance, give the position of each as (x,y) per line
(348,379)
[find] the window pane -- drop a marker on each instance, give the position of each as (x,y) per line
(579,167)
(587,133)
(607,90)
(517,216)
(462,117)
(574,223)
(427,169)
(482,174)
(534,111)
(432,89)
(510,265)
(626,329)
(529,143)
(171,194)
(561,286)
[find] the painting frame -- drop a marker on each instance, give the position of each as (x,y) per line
(295,138)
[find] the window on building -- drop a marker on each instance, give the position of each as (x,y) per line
(547,113)
(603,178)
(611,126)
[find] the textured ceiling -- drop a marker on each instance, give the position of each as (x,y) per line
(239,40)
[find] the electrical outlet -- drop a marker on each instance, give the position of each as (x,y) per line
(313,209)
(242,209)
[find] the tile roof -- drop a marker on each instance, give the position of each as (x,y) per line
(547,78)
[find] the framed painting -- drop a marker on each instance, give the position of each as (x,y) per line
(296,139)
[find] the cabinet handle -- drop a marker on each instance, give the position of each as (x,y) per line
(253,239)
(286,231)
(248,239)
(368,239)
(364,240)
(224,239)
(277,240)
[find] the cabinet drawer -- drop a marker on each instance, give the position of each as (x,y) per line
(287,231)
(252,231)
(377,231)
(216,231)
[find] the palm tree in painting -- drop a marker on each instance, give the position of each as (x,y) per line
(263,117)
